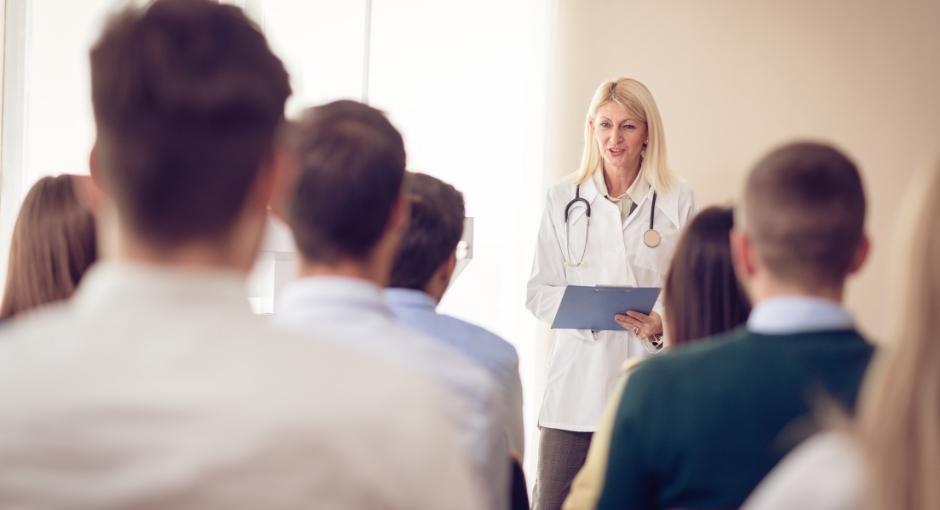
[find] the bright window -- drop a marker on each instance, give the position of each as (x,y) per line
(463,81)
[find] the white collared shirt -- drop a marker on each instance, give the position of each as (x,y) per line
(785,315)
(354,312)
(633,196)
(158,388)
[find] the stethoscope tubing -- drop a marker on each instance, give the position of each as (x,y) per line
(587,205)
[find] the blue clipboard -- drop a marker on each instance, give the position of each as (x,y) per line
(594,307)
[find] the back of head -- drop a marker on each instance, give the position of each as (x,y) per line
(900,411)
(187,99)
(53,245)
(351,163)
(701,294)
(804,209)
(435,228)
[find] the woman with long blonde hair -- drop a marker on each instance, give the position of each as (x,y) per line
(890,458)
(613,222)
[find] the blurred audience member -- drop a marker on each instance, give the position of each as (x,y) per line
(701,295)
(421,274)
(348,215)
(890,459)
(702,298)
(701,426)
(53,245)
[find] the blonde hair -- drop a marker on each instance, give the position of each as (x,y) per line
(637,100)
(899,417)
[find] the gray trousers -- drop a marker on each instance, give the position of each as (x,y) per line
(561,455)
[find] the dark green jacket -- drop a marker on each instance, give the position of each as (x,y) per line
(700,428)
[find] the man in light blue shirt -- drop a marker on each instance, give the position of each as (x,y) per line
(347,214)
(420,275)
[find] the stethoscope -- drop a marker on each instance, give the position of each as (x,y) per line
(651,237)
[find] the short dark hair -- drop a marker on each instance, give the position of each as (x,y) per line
(701,295)
(187,98)
(350,163)
(54,243)
(804,209)
(437,214)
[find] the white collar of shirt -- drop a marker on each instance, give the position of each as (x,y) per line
(141,287)
(666,203)
(332,291)
(797,314)
(410,298)
(636,192)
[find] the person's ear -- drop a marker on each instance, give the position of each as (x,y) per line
(400,214)
(440,280)
(743,256)
(450,266)
(94,190)
(861,254)
(283,182)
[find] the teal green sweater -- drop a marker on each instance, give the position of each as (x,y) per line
(700,428)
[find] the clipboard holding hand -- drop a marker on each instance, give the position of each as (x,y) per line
(584,307)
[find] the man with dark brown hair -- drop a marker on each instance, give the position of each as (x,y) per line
(156,387)
(348,214)
(423,269)
(699,428)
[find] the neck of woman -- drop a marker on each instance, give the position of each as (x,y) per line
(619,179)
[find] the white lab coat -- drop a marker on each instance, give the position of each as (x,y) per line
(584,366)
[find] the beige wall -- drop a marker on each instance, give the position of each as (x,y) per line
(732,78)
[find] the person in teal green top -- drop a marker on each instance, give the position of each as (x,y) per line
(700,427)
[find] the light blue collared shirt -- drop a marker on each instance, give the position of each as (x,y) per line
(786,315)
(499,357)
(352,311)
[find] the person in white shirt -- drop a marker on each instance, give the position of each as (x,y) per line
(156,387)
(890,456)
(347,214)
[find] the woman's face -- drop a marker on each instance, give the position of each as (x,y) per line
(620,138)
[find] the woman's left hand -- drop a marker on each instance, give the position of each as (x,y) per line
(641,325)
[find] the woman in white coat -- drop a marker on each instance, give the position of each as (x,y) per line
(614,222)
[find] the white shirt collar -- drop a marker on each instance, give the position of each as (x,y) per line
(797,314)
(666,203)
(110,284)
(637,190)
